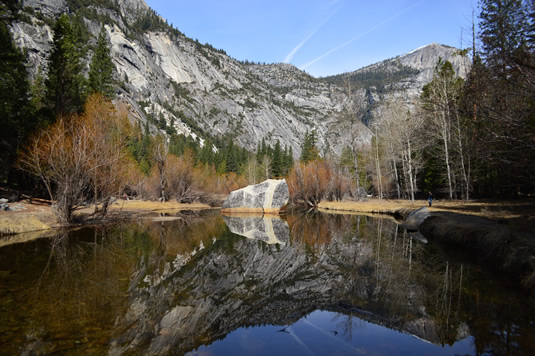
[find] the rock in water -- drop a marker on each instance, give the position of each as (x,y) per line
(415,219)
(267,197)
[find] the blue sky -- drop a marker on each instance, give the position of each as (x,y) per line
(322,37)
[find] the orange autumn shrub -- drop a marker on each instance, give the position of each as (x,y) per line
(309,183)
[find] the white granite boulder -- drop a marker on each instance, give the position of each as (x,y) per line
(266,197)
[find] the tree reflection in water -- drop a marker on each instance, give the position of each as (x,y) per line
(171,286)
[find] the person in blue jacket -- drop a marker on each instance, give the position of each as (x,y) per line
(430,198)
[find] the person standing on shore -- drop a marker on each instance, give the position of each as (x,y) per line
(430,198)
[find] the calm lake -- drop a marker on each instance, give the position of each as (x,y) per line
(199,283)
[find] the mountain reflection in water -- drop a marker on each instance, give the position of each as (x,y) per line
(173,287)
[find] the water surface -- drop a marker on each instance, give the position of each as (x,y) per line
(204,284)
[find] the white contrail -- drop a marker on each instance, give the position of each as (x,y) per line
(290,55)
(294,51)
(359,35)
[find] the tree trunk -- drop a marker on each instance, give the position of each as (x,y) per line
(378,166)
(395,169)
(357,173)
(409,168)
(461,154)
(444,133)
(448,169)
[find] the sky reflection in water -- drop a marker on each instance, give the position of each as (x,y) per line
(326,333)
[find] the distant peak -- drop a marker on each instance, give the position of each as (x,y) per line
(434,44)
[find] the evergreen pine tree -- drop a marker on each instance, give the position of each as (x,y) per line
(309,151)
(231,156)
(277,163)
(38,94)
(259,153)
(15,119)
(101,68)
(13,85)
(206,154)
(505,122)
(66,83)
(504,32)
(288,160)
(264,149)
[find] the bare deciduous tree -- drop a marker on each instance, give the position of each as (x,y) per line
(407,139)
(441,102)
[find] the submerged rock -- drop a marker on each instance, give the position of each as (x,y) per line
(509,251)
(415,219)
(266,197)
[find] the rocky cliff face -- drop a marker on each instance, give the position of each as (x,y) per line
(202,92)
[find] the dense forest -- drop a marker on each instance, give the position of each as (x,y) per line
(474,137)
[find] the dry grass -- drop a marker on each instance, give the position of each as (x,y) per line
(148,206)
(125,209)
(480,208)
(17,223)
(33,217)
(374,206)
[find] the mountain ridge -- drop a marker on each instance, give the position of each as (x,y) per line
(200,91)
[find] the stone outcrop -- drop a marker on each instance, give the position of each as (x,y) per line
(267,197)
